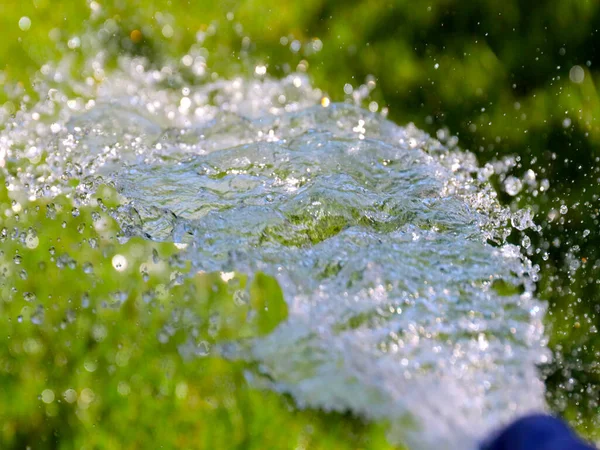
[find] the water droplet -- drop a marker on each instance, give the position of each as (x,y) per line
(163,338)
(37,317)
(522,219)
(203,348)
(32,241)
(70,395)
(167,31)
(51,211)
(577,74)
(88,268)
(512,185)
(24,23)
(119,262)
(90,366)
(85,300)
(47,396)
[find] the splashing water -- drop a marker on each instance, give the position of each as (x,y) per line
(405,302)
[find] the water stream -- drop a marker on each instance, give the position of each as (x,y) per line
(406,304)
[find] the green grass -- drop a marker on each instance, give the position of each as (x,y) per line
(502,85)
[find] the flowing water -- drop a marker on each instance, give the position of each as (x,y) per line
(406,303)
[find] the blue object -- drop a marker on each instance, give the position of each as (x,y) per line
(536,432)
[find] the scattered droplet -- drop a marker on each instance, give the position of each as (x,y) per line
(24,23)
(512,185)
(577,74)
(37,318)
(47,396)
(119,262)
(88,268)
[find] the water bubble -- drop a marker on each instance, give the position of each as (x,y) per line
(564,209)
(18,259)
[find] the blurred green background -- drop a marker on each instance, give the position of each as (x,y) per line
(508,78)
